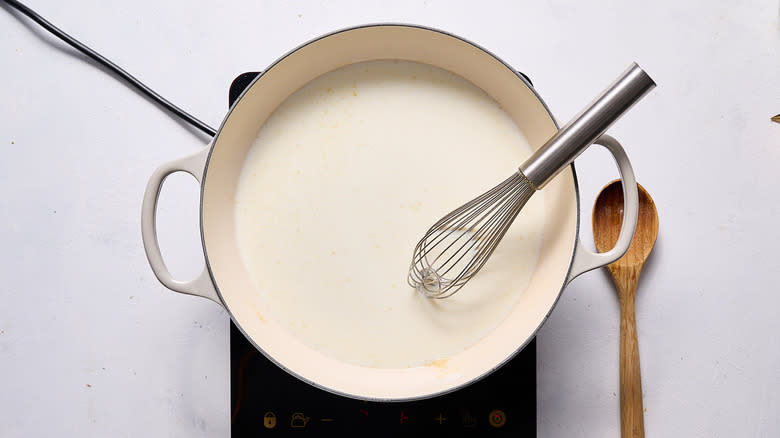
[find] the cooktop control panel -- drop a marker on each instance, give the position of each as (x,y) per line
(269,402)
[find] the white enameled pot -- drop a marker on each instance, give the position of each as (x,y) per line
(225,280)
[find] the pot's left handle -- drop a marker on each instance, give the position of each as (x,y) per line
(194,165)
(586,260)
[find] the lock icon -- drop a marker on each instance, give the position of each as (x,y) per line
(269,420)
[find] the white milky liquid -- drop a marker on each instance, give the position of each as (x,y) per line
(345,177)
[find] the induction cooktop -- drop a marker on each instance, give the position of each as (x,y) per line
(267,401)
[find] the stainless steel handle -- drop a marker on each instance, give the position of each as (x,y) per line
(587,126)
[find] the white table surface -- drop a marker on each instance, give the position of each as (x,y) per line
(92,345)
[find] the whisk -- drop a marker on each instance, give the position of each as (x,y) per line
(457,246)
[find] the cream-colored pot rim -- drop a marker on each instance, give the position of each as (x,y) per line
(217,167)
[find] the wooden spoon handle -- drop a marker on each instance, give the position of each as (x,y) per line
(632,423)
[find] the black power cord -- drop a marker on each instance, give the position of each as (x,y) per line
(111,66)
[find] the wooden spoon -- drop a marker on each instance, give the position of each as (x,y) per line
(607,217)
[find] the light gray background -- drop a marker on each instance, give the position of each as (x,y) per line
(92,345)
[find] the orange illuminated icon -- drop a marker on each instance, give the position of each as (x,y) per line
(269,420)
(298,420)
(497,418)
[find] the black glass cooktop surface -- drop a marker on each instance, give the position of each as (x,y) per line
(267,401)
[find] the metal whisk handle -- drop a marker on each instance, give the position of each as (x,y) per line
(585,128)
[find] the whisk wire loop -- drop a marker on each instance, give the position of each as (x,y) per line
(464,239)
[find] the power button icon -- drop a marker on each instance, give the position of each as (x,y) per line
(497,418)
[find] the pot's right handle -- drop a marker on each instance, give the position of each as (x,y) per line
(194,165)
(586,260)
